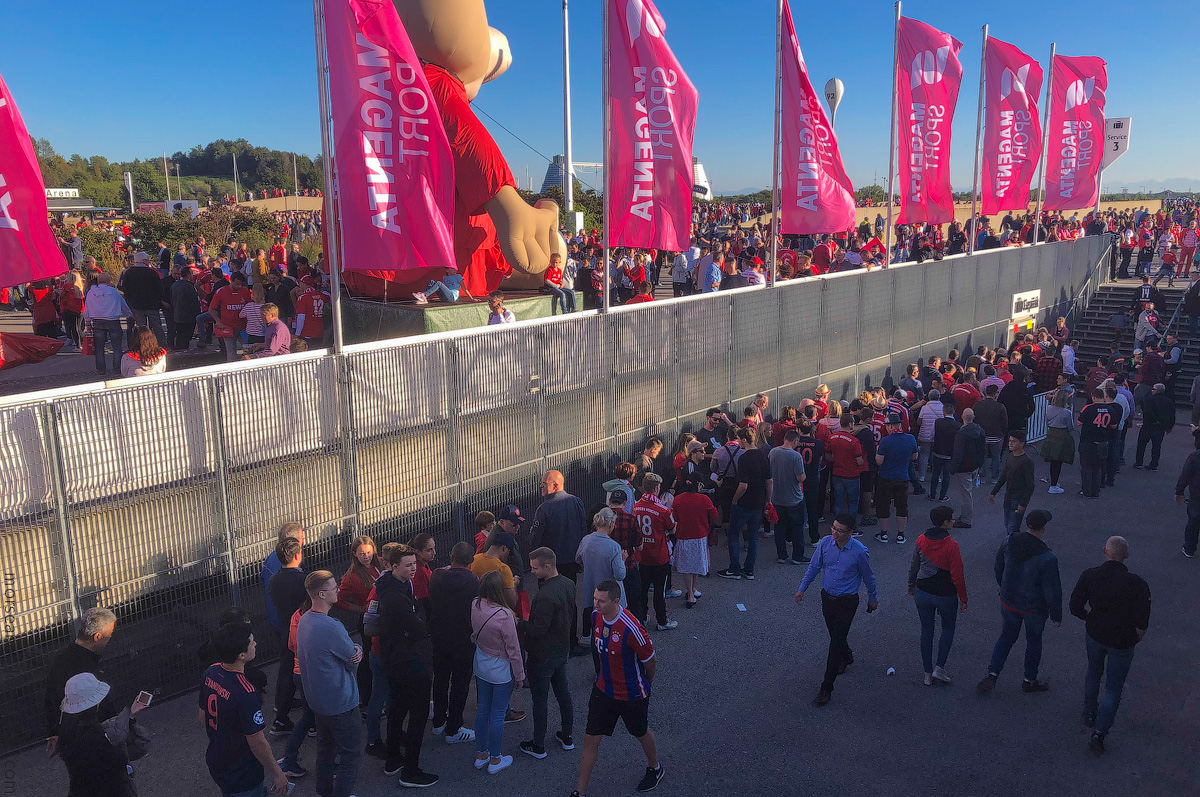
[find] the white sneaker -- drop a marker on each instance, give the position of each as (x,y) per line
(480,763)
(463,735)
(670,624)
(929,679)
(940,674)
(438,730)
(673,593)
(1055,490)
(505,763)
(421,298)
(696,592)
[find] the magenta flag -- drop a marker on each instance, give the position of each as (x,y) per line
(653,118)
(928,76)
(395,172)
(28,249)
(1012,129)
(816,194)
(1076,141)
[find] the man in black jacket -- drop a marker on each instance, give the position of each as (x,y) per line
(548,645)
(287,592)
(1115,604)
(970,451)
(142,286)
(82,655)
(451,590)
(1158,418)
(1189,479)
(1017,399)
(407,651)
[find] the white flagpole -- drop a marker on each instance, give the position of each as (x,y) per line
(296,180)
(607,182)
(568,170)
(235,180)
(166,176)
(1037,220)
(331,221)
(776,210)
(887,244)
(978,129)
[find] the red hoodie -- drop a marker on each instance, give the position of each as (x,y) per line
(936,566)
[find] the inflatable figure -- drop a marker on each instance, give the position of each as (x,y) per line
(497,236)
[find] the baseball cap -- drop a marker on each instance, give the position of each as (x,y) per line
(510,513)
(893,419)
(1018,434)
(694,446)
(505,539)
(1038,518)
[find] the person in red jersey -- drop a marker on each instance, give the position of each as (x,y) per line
(310,316)
(643,290)
(655,522)
(226,308)
(625,668)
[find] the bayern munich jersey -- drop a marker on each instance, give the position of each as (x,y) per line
(624,649)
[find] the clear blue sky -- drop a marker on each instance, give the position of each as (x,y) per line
(132,80)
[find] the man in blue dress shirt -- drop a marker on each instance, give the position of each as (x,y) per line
(847,564)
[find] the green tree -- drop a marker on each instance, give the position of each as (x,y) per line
(875,193)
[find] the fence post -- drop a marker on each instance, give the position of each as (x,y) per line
(225,513)
(451,375)
(349,460)
(49,419)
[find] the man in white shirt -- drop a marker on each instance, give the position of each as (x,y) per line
(106,309)
(679,274)
(1068,357)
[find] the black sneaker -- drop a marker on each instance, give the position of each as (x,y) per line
(377,750)
(856,533)
(529,748)
(653,776)
(987,684)
(416,779)
(390,769)
(514,715)
(881,536)
(567,742)
(870,520)
(293,771)
(727,573)
(1137,466)
(282,727)
(801,560)
(961,524)
(1184,551)
(1034,686)
(919,490)
(748,575)
(901,539)
(1089,719)
(1096,743)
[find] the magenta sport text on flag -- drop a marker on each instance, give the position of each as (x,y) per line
(1076,141)
(928,77)
(652,106)
(817,196)
(395,169)
(1012,138)
(28,248)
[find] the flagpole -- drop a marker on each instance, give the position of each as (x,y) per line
(568,171)
(607,182)
(887,245)
(331,221)
(296,180)
(776,210)
(166,176)
(978,128)
(235,180)
(1037,219)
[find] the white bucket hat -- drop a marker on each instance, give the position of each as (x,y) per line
(82,692)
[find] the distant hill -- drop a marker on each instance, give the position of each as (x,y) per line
(206,172)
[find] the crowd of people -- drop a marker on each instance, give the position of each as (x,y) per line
(418,636)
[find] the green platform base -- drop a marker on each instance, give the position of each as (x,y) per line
(367,320)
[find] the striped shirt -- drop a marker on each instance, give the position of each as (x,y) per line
(624,648)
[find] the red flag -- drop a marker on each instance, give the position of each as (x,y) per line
(395,171)
(1012,132)
(816,194)
(1076,142)
(653,117)
(928,76)
(28,249)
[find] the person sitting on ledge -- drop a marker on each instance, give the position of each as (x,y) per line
(448,287)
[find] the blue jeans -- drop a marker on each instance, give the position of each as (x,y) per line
(563,297)
(105,331)
(790,529)
(291,753)
(1012,518)
(751,520)
(923,452)
(379,698)
(204,327)
(1034,624)
(927,606)
(545,674)
(845,495)
(489,717)
(1194,325)
(939,474)
(994,455)
(153,320)
(1114,681)
(437,286)
(339,748)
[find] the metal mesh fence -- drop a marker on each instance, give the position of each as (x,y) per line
(161,499)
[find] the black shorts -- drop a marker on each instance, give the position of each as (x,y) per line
(888,492)
(604,711)
(866,482)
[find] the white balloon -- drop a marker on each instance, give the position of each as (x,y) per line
(834,90)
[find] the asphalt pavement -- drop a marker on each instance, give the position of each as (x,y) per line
(731,703)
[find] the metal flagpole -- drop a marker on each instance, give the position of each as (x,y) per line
(1037,218)
(568,181)
(332,221)
(178,182)
(887,244)
(607,182)
(776,210)
(978,130)
(167,176)
(235,180)
(296,180)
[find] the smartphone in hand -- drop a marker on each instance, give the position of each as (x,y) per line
(144,698)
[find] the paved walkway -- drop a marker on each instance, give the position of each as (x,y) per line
(731,703)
